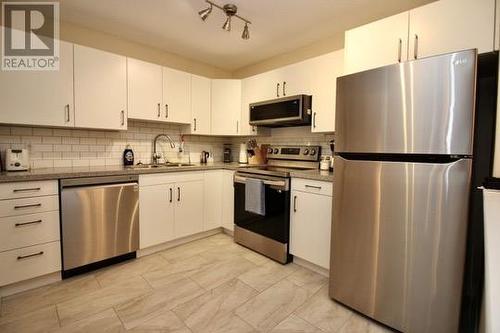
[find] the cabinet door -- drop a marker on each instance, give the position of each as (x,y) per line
(226,107)
(376,44)
(144,82)
(176,96)
(156,214)
(310,237)
(250,88)
(228,200)
(439,27)
(50,94)
(100,89)
(324,71)
(213,199)
(188,208)
(294,79)
(200,105)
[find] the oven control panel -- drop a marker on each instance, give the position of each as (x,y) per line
(301,153)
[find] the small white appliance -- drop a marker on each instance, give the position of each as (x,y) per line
(16,160)
(243,154)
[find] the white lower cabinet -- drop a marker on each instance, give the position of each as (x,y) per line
(29,231)
(310,221)
(188,208)
(156,214)
(213,199)
(170,206)
(227,200)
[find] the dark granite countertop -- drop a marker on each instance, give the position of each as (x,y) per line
(78,172)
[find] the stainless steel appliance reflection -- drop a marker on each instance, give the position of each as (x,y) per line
(402,174)
(100,219)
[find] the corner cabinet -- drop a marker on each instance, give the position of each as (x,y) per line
(310,237)
(100,84)
(226,107)
(50,101)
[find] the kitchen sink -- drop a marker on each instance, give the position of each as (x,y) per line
(158,166)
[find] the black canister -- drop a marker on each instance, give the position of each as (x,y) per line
(128,156)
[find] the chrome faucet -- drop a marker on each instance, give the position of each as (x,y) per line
(157,156)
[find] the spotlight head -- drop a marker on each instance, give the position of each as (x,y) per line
(246,33)
(205,12)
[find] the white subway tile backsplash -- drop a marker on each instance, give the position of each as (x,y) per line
(51,139)
(21,131)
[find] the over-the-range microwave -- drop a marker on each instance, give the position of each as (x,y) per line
(280,112)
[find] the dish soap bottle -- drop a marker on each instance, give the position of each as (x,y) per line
(128,156)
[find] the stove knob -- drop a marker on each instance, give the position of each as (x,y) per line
(306,151)
(313,151)
(269,150)
(276,150)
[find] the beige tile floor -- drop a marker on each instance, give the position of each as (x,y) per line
(209,285)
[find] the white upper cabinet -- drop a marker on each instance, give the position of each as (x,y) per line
(324,71)
(200,105)
(226,107)
(377,44)
(42,98)
(451,25)
(144,90)
(100,83)
(176,96)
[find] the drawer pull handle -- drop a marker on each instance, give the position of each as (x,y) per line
(294,203)
(27,223)
(28,206)
(29,255)
(17,190)
(312,186)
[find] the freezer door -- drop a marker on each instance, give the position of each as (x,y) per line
(398,241)
(424,106)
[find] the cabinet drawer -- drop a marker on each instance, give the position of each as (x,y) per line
(312,186)
(29,262)
(28,189)
(169,178)
(25,206)
(28,230)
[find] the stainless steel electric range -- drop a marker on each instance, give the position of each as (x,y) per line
(268,233)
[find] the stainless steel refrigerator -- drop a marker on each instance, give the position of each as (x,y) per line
(402,173)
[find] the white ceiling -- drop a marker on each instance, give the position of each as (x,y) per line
(279,26)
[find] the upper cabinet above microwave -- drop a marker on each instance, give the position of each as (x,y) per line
(436,28)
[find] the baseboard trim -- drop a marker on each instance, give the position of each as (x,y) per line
(33,283)
(311,266)
(177,242)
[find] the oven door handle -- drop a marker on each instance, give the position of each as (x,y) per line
(281,184)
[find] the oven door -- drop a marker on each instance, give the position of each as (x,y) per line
(275,224)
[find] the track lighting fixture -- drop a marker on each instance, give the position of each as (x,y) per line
(230,10)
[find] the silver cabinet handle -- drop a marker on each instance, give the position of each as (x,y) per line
(284,88)
(294,203)
(166,111)
(400,47)
(170,194)
(27,223)
(159,110)
(30,255)
(33,189)
(123,117)
(314,120)
(28,206)
(415,47)
(66,110)
(178,194)
(277,90)
(312,186)
(237,126)
(194,124)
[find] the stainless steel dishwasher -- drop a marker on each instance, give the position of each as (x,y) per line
(99,220)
